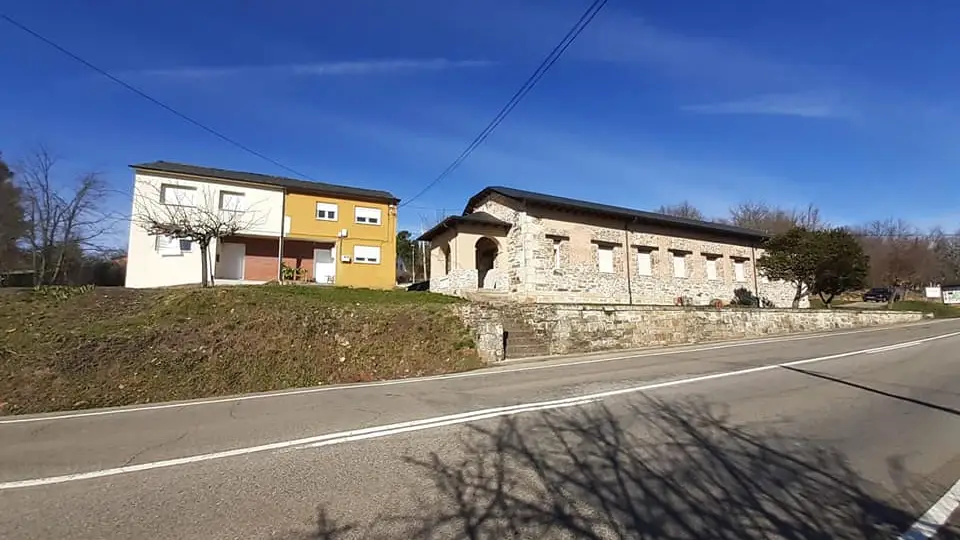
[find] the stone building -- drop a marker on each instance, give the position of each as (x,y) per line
(532,247)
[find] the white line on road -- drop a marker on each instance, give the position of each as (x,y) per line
(479,373)
(938,514)
(439,421)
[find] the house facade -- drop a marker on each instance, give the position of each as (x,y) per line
(541,248)
(325,233)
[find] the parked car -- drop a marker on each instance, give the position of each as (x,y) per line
(880,294)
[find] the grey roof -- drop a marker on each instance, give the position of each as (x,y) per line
(638,216)
(480,218)
(263,179)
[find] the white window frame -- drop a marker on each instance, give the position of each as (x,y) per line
(556,253)
(365,254)
(739,271)
(365,215)
(679,265)
(604,255)
(168,246)
(644,262)
(189,201)
(237,196)
(327,209)
(712,269)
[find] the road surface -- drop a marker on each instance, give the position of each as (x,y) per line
(851,434)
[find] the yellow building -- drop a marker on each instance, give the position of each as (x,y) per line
(340,235)
(336,235)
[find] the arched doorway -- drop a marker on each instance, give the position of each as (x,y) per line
(486,254)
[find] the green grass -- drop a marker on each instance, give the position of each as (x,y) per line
(110,347)
(939,310)
(349,295)
(816,303)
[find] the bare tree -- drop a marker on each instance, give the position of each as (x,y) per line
(199,217)
(774,220)
(683,210)
(946,248)
(12,225)
(63,217)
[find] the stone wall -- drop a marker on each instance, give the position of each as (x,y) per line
(575,328)
(533,275)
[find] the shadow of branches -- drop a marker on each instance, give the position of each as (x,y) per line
(635,471)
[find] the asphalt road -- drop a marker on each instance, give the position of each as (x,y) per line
(851,434)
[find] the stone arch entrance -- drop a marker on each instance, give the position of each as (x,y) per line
(486,257)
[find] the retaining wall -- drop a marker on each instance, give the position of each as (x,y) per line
(575,328)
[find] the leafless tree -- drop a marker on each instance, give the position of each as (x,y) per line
(12,224)
(946,248)
(201,219)
(774,220)
(63,217)
(683,210)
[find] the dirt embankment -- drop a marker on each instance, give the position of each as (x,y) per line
(73,349)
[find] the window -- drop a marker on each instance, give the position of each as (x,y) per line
(178,195)
(366,254)
(645,262)
(370,216)
(738,271)
(556,253)
(605,258)
(445,250)
(711,267)
(326,211)
(231,201)
(679,265)
(167,246)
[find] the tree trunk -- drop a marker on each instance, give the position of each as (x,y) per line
(205,278)
(796,297)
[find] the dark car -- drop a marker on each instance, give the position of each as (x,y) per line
(880,294)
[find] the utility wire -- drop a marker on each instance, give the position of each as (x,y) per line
(151,99)
(532,81)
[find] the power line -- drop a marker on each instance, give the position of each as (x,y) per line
(152,99)
(532,81)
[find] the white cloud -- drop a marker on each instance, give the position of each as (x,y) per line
(362,67)
(801,105)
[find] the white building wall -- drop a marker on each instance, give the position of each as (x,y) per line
(146,267)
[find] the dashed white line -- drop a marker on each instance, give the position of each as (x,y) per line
(439,421)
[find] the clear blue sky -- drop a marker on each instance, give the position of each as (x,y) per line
(851,105)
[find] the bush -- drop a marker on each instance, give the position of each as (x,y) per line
(743,297)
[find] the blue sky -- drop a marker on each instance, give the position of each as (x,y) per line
(851,105)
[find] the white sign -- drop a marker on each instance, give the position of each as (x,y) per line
(951,297)
(932,292)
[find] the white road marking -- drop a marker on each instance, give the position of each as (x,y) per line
(435,422)
(478,373)
(938,514)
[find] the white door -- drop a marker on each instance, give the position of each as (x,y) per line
(325,266)
(230,265)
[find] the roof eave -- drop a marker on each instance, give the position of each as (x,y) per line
(745,234)
(390,199)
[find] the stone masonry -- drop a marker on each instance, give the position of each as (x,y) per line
(577,328)
(528,269)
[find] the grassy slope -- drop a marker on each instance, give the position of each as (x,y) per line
(939,309)
(117,347)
